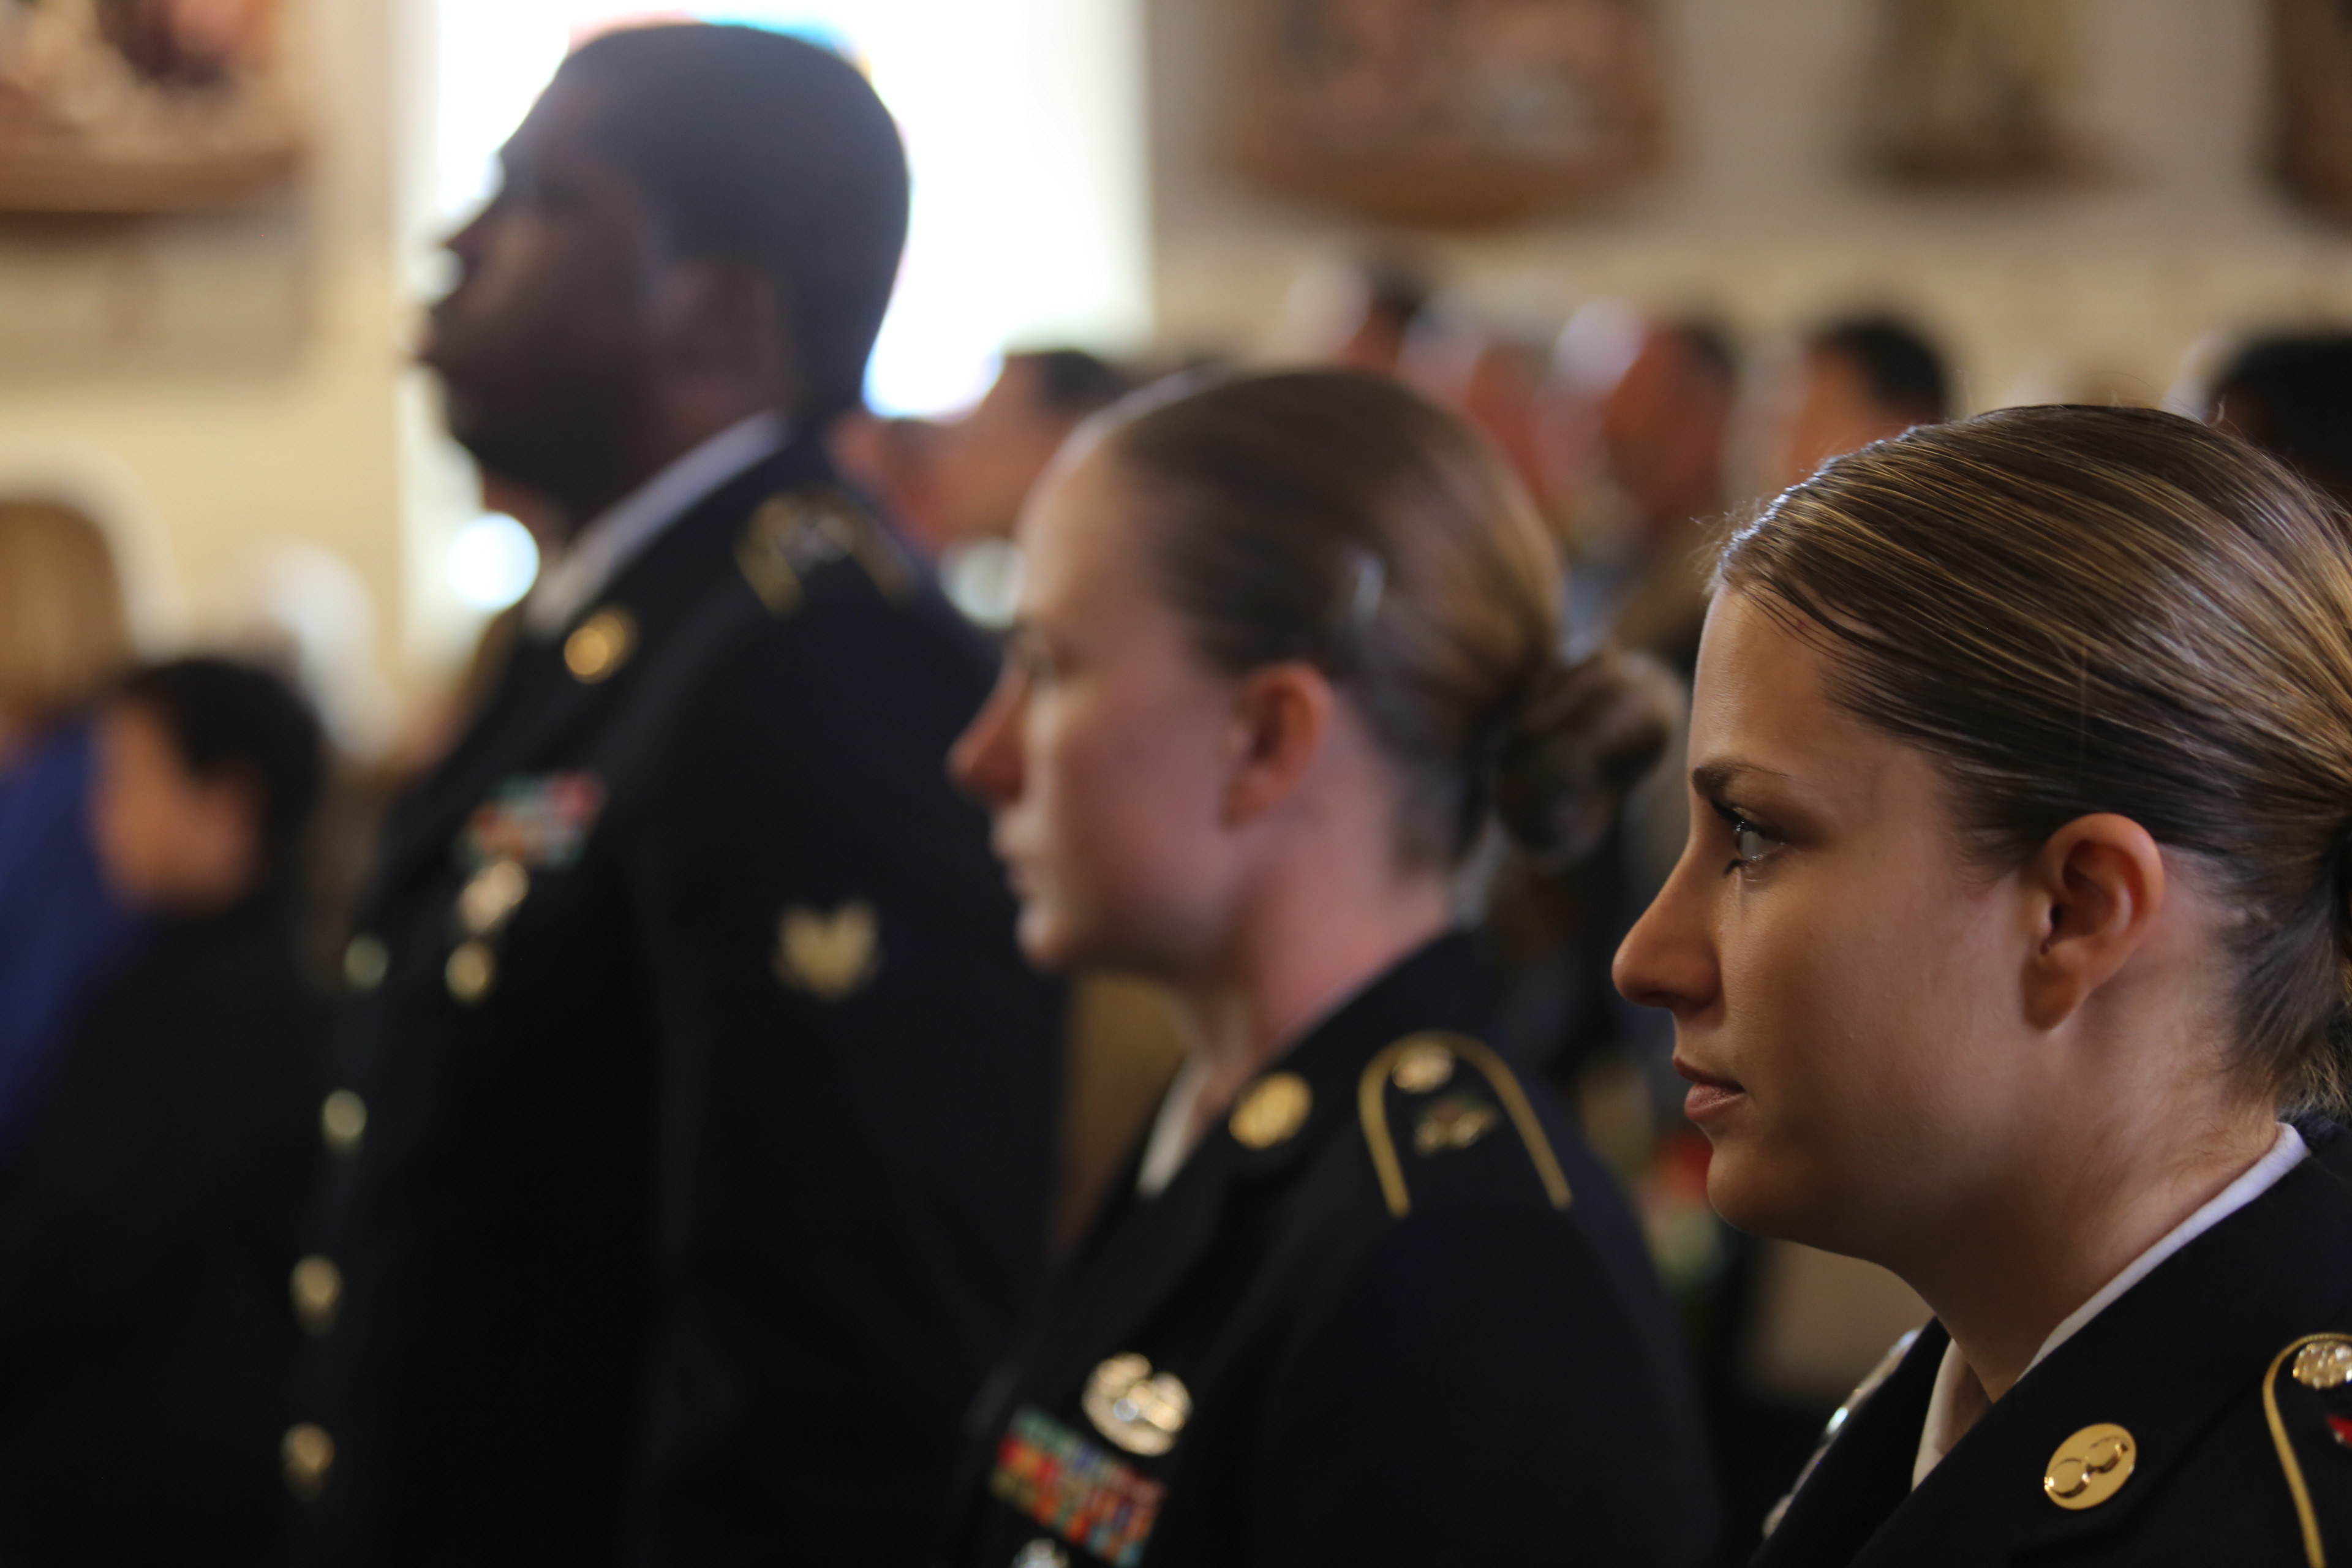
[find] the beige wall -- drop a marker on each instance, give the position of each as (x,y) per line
(1763,214)
(225,384)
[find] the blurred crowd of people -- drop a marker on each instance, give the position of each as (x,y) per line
(189,1328)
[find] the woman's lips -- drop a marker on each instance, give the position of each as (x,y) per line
(1709,1095)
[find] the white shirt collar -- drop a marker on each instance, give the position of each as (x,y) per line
(570,582)
(1959,1399)
(1173,1138)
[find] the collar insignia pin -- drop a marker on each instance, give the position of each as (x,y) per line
(1271,1111)
(2090,1467)
(1139,1410)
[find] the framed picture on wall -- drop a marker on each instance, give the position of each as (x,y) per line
(1978,92)
(127,106)
(1444,113)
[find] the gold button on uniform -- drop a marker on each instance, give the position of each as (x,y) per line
(602,645)
(1423,1068)
(2326,1364)
(365,961)
(308,1454)
(471,971)
(318,1289)
(492,894)
(342,1121)
(1271,1111)
(2090,1467)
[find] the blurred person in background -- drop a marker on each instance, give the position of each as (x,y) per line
(692,1130)
(1390,300)
(2291,394)
(895,463)
(148,1230)
(64,636)
(1663,425)
(1849,383)
(989,460)
(1289,647)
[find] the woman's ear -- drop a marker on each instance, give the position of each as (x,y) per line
(2096,887)
(1282,714)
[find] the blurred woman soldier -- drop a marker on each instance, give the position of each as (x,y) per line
(2013,919)
(1286,645)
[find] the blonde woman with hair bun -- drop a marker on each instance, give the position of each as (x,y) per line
(64,636)
(2011,950)
(1288,647)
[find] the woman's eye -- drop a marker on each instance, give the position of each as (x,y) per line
(1750,845)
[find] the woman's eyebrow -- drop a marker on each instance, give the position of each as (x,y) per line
(1715,779)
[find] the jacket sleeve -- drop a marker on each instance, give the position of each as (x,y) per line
(856,1096)
(1474,1391)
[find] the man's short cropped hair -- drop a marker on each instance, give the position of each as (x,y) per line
(763,147)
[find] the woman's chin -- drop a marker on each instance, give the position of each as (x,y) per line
(1748,1192)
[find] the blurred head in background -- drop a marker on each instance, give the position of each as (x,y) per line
(2292,396)
(1391,302)
(208,774)
(1664,426)
(695,224)
(1852,382)
(64,633)
(984,464)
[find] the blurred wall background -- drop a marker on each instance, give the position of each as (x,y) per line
(224,388)
(1765,212)
(231,391)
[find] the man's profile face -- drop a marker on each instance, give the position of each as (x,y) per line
(546,345)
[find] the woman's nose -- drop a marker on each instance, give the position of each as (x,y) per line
(1668,959)
(985,761)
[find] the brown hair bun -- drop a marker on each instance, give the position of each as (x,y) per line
(1338,518)
(1583,739)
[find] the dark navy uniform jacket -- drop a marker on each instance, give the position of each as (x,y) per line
(694,1131)
(1391,1313)
(2220,1368)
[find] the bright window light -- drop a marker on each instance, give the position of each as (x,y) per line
(1023,127)
(493,562)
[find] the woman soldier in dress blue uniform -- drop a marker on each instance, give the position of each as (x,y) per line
(1285,647)
(2009,951)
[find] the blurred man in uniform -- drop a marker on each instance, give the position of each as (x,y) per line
(1850,384)
(692,1132)
(989,458)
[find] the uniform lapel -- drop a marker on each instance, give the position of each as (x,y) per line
(1866,1473)
(2164,1363)
(1147,1249)
(537,702)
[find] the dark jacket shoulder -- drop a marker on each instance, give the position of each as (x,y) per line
(2192,1421)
